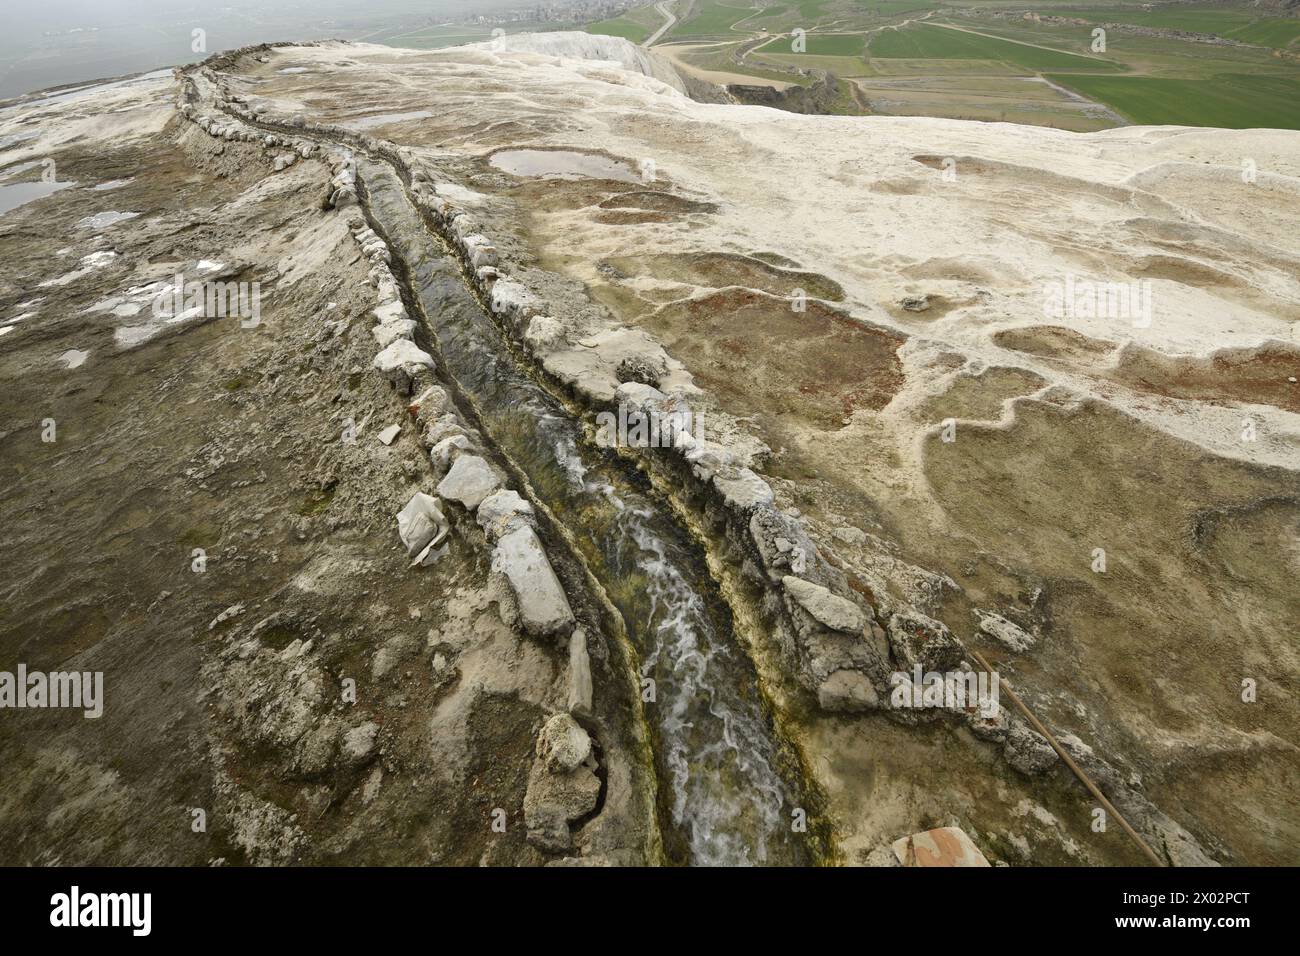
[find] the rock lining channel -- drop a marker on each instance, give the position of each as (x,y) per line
(838,641)
(554,788)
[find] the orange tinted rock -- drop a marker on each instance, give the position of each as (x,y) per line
(945,846)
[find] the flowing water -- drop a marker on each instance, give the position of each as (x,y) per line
(722,793)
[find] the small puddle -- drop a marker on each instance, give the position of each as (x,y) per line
(80,91)
(17,194)
(102,220)
(384,119)
(562,164)
(74,358)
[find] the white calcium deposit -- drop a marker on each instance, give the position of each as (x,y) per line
(987,215)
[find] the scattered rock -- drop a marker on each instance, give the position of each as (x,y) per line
(391,311)
(470,480)
(444,451)
(421,524)
(428,405)
(389,332)
(233,611)
(1005,632)
(562,744)
(372,785)
(836,613)
(916,303)
(543,607)
(443,427)
(502,512)
(850,535)
(917,639)
(767,527)
(743,491)
(946,846)
(390,654)
(594,860)
(579,675)
(401,363)
(994,729)
(1027,750)
(359,742)
(544,332)
(637,369)
(554,801)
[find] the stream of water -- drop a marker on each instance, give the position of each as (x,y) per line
(726,801)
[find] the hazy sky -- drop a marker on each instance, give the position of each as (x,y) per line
(52,42)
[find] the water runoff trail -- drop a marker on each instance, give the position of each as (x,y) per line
(723,800)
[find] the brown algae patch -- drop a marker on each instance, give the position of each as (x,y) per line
(755,352)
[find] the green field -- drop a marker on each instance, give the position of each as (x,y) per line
(620,27)
(1213,20)
(812,10)
(1232,23)
(923,41)
(821,44)
(1274,33)
(636,24)
(843,66)
(1233,101)
(1141,78)
(714,19)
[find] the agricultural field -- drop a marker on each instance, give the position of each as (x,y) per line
(621,27)
(926,41)
(1279,34)
(1011,99)
(712,18)
(839,65)
(1232,101)
(1216,20)
(820,44)
(929,58)
(1245,25)
(635,25)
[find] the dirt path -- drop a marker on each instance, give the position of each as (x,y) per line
(674,53)
(669,19)
(1037,46)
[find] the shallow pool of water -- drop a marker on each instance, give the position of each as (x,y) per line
(562,164)
(384,119)
(102,220)
(14,195)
